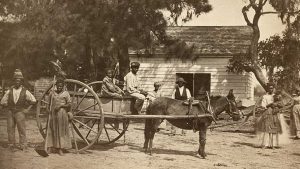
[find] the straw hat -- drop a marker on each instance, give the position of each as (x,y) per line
(180,80)
(18,74)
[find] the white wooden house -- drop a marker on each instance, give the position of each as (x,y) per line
(214,46)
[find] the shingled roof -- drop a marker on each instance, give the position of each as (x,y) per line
(213,40)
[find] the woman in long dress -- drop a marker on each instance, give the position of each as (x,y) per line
(58,134)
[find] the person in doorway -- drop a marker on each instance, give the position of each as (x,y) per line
(58,134)
(180,93)
(109,88)
(132,87)
(18,100)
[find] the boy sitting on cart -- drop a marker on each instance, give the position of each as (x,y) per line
(132,87)
(109,88)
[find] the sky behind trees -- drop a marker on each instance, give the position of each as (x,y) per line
(229,13)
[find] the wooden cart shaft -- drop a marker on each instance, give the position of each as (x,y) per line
(93,114)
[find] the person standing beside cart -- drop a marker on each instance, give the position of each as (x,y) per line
(18,100)
(58,133)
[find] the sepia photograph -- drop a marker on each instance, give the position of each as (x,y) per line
(149,84)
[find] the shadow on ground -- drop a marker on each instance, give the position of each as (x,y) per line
(296,154)
(247,144)
(167,151)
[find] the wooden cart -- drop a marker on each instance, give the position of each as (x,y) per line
(101,120)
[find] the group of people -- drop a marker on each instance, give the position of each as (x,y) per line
(18,100)
(271,124)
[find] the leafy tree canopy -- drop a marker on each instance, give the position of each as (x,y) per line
(268,56)
(85,35)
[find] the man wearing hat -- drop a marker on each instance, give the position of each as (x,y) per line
(132,86)
(18,100)
(180,93)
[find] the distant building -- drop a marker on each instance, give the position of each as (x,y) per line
(213,47)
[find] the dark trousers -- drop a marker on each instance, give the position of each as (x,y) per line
(16,118)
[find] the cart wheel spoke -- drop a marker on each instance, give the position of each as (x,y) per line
(81,100)
(114,130)
(82,110)
(107,135)
(117,130)
(80,135)
(85,125)
(91,127)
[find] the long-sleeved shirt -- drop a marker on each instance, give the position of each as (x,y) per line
(132,83)
(154,94)
(109,88)
(16,95)
(267,99)
(188,93)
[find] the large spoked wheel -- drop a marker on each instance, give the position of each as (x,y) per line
(88,117)
(114,128)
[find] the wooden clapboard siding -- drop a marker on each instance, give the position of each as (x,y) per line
(213,47)
(164,70)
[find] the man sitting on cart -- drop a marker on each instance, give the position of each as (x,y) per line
(132,87)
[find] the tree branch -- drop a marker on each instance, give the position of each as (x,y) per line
(244,11)
(264,3)
(253,4)
(279,12)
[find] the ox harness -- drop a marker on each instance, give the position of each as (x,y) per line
(190,103)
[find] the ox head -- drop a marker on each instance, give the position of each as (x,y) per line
(232,110)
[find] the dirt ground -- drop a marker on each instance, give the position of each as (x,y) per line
(227,147)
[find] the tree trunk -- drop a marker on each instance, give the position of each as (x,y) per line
(253,50)
(90,60)
(261,78)
(123,61)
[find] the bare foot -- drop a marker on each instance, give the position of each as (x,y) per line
(60,152)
